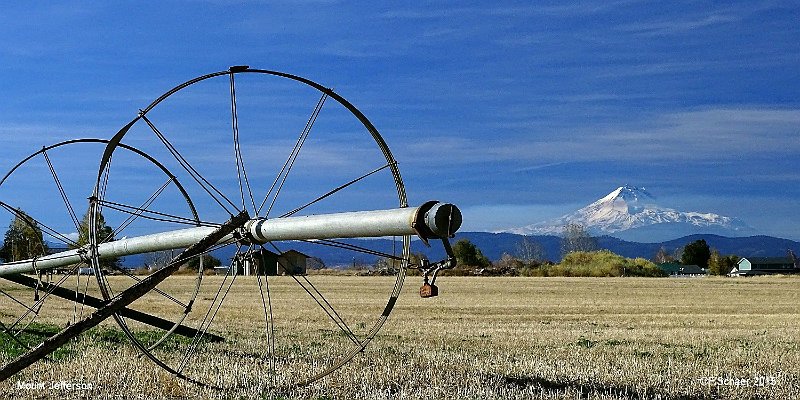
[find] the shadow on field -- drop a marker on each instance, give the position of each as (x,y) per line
(592,389)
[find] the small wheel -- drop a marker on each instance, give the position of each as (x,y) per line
(43,201)
(273,145)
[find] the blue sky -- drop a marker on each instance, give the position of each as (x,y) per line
(517,112)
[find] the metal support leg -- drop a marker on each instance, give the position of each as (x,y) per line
(121,301)
(95,302)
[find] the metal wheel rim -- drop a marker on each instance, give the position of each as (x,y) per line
(75,268)
(378,139)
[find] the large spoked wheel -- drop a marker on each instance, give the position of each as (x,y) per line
(272,145)
(43,202)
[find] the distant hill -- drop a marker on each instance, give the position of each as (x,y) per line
(493,245)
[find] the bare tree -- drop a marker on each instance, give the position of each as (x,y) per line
(663,256)
(576,238)
(315,263)
(157,259)
(508,264)
(529,250)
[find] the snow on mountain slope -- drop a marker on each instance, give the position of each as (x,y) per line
(630,213)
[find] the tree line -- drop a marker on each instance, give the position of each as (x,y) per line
(582,256)
(24,238)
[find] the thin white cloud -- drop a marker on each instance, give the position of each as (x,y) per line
(539,167)
(711,134)
(722,133)
(427,13)
(23,136)
(673,27)
(598,97)
(366,48)
(528,10)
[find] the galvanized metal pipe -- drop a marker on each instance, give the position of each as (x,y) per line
(432,219)
(120,248)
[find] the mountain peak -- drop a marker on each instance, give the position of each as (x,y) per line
(619,205)
(630,210)
(628,193)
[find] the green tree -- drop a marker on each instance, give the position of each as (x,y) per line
(576,238)
(715,264)
(104,234)
(719,264)
(696,253)
(23,239)
(467,254)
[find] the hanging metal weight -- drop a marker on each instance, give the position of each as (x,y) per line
(428,290)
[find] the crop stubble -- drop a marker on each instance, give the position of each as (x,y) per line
(481,338)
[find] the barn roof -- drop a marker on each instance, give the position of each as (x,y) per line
(296,252)
(768,260)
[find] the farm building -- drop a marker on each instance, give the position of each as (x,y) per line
(268,263)
(293,262)
(764,266)
(677,269)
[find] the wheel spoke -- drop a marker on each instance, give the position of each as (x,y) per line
(269,320)
(14,299)
(202,181)
(37,304)
(241,172)
(333,191)
(154,215)
(138,211)
(101,192)
(34,223)
(208,318)
(287,166)
(350,246)
(156,289)
(13,336)
(75,316)
(61,191)
(321,301)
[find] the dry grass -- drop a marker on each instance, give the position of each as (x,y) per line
(482,338)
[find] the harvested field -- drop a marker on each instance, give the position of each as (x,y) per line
(482,338)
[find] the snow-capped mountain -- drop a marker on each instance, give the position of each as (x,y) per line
(630,213)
